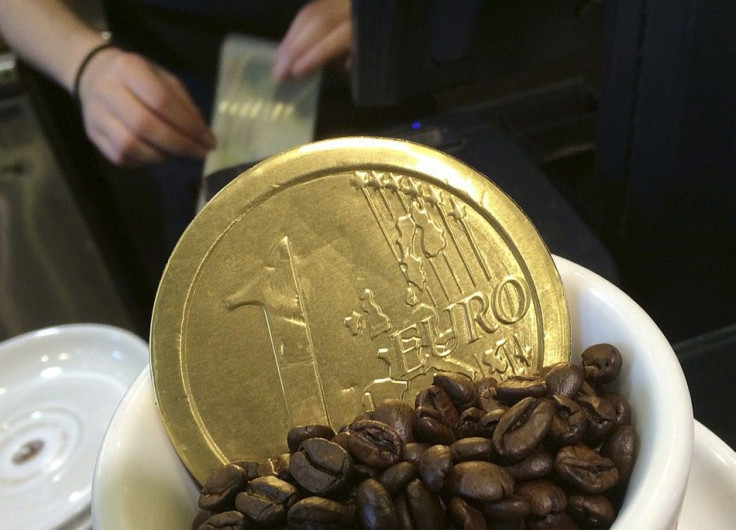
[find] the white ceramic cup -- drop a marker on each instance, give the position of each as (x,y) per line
(140,482)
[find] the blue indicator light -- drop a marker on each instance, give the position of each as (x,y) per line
(416,125)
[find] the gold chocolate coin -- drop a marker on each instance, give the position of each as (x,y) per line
(336,275)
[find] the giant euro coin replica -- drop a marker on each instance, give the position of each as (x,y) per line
(336,275)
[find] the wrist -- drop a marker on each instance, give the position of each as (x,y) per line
(80,42)
(84,63)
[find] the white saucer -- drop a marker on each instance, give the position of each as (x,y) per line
(710,497)
(59,387)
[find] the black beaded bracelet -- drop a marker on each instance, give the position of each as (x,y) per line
(83,65)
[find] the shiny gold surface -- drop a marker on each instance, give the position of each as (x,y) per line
(336,275)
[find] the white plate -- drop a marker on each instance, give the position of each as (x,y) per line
(59,387)
(710,497)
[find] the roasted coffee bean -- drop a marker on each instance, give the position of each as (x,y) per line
(260,512)
(298,434)
(398,415)
(601,418)
(509,525)
(591,512)
(621,407)
(569,424)
(484,383)
(374,506)
(395,478)
(479,481)
(430,427)
(467,423)
(586,389)
(539,464)
(433,397)
(522,428)
(219,491)
(621,448)
(488,422)
(341,439)
(554,521)
(363,471)
(250,467)
(230,520)
(277,466)
(459,387)
(465,516)
(274,489)
(414,451)
(462,468)
(583,468)
(374,443)
(201,517)
(403,513)
(602,363)
(564,379)
(368,415)
(488,400)
(425,507)
(266,500)
(321,467)
(434,466)
(517,387)
(472,448)
(512,508)
(318,513)
(544,497)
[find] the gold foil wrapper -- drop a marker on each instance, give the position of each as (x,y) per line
(336,275)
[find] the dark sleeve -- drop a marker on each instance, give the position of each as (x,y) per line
(185,35)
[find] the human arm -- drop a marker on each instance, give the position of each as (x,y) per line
(134,111)
(320,33)
(48,36)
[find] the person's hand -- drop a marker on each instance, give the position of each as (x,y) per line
(137,113)
(320,33)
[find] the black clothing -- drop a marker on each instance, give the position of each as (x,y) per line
(155,204)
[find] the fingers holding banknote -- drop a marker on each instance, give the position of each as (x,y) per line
(321,33)
(138,113)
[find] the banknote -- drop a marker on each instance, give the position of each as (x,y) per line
(255,116)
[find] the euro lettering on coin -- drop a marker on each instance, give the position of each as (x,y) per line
(337,275)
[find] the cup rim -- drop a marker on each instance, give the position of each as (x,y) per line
(671,451)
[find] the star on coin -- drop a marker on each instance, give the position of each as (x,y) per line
(373,179)
(410,188)
(458,210)
(359,180)
(431,194)
(392,182)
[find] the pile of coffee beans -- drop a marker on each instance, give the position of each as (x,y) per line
(553,450)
